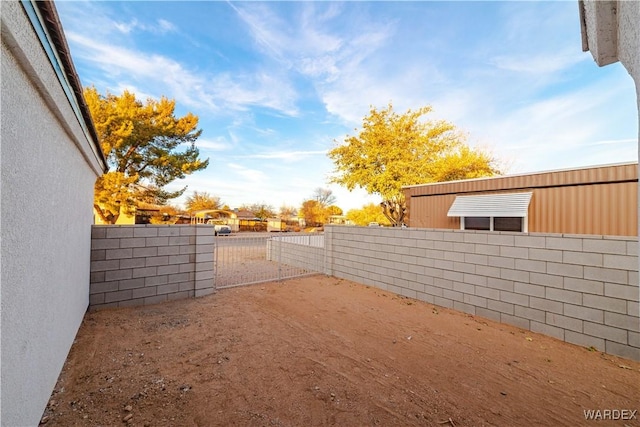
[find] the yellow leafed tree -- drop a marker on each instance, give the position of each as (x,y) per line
(147,148)
(317,210)
(202,201)
(367,214)
(394,150)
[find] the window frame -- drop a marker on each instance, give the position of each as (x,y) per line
(524,224)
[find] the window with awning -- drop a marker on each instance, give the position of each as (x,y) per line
(494,212)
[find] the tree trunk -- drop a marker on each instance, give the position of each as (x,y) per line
(106,216)
(394,211)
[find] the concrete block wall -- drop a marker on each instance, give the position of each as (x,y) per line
(149,264)
(580,289)
(305,252)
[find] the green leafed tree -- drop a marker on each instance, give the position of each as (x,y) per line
(394,150)
(199,201)
(147,147)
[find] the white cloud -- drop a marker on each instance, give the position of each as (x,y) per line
(542,63)
(126,27)
(260,19)
(219,144)
(285,155)
(161,26)
(165,76)
(616,141)
(557,131)
(165,26)
(253,176)
(308,42)
(519,85)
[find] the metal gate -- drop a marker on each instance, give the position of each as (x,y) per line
(244,259)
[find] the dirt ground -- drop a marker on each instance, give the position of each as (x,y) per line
(323,351)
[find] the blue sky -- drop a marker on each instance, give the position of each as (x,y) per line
(277,84)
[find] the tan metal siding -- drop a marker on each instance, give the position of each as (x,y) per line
(607,209)
(592,175)
(431,212)
(585,201)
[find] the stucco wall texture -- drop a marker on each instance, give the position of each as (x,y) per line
(628,46)
(629,39)
(611,31)
(46,215)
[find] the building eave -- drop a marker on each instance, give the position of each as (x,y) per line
(599,27)
(49,19)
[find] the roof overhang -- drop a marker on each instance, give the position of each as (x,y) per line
(48,28)
(599,28)
(495,205)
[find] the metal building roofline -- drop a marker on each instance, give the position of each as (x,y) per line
(490,178)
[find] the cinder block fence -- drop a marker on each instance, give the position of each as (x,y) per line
(580,289)
(577,288)
(148,264)
(307,252)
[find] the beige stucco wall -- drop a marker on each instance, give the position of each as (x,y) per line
(48,168)
(629,42)
(629,45)
(629,50)
(611,32)
(629,38)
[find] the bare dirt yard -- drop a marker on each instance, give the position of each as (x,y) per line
(323,351)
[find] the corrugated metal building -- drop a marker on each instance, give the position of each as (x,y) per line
(599,200)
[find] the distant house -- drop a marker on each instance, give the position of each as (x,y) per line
(339,220)
(50,161)
(204,215)
(283,224)
(244,214)
(246,221)
(593,200)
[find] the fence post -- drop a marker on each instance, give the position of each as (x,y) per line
(279,259)
(215,261)
(327,233)
(204,268)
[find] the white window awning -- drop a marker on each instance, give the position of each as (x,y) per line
(496,205)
